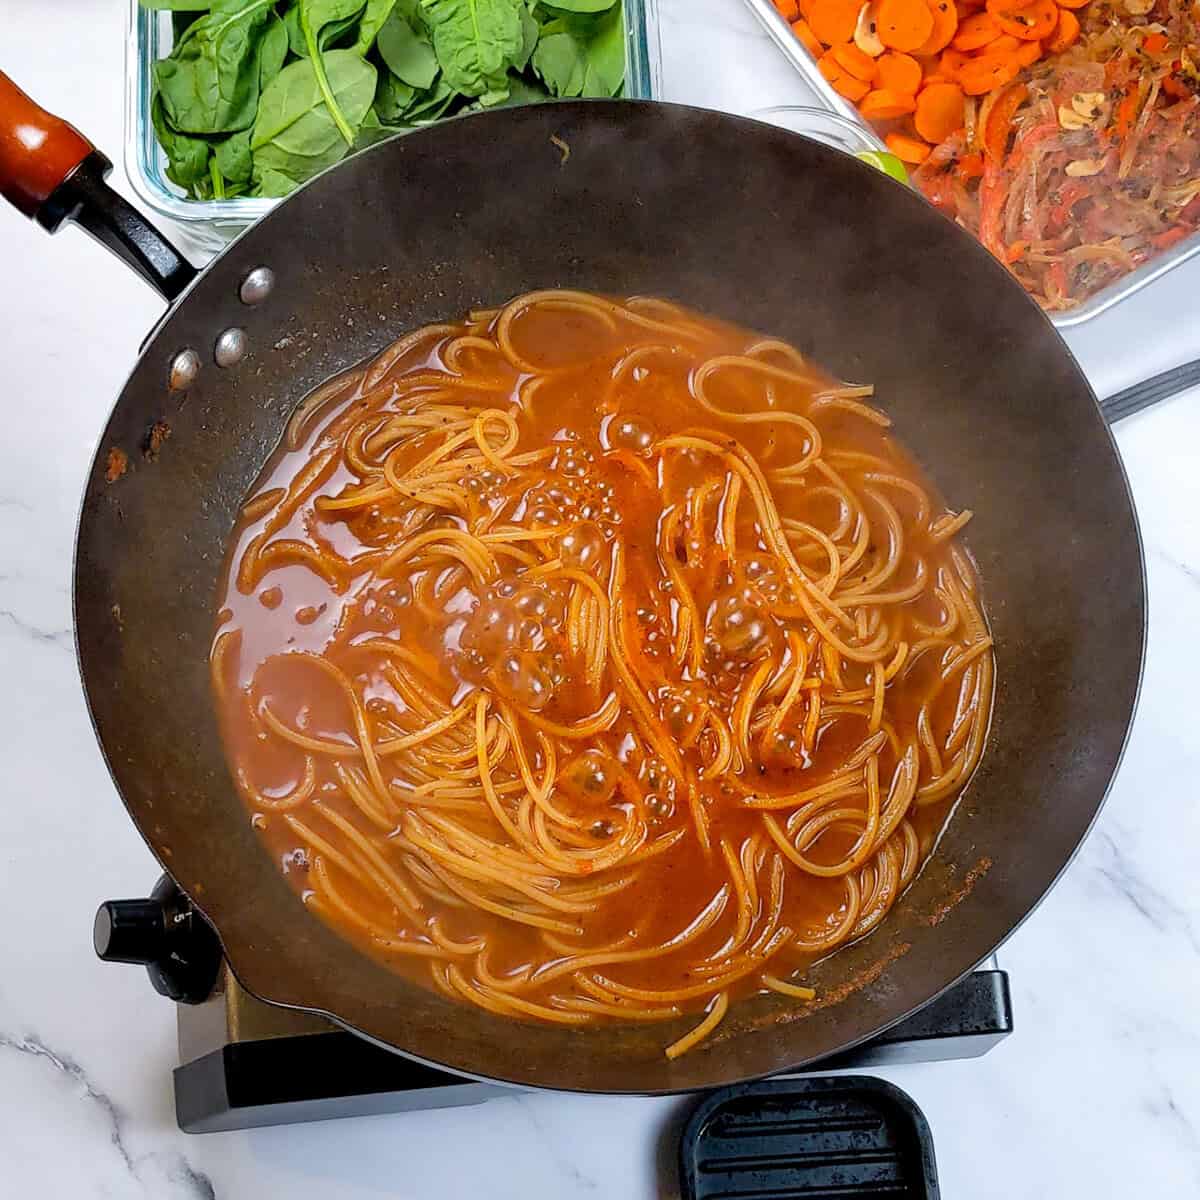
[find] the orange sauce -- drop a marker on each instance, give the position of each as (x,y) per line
(601,483)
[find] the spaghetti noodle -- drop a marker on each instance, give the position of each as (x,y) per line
(594,661)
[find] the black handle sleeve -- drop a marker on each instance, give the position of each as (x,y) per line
(84,197)
(1150,391)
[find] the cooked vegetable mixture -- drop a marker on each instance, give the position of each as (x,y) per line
(1090,166)
(257,96)
(1064,134)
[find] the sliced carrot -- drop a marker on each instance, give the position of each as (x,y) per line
(907,149)
(1005,44)
(945,26)
(970,166)
(841,81)
(939,111)
(904,24)
(1176,88)
(1071,3)
(808,39)
(975,32)
(998,126)
(988,71)
(789,10)
(1156,43)
(851,88)
(1029,22)
(1030,52)
(833,21)
(1067,33)
(1127,111)
(854,61)
(882,105)
(899,72)
(951,63)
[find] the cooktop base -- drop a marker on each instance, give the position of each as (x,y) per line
(246,1064)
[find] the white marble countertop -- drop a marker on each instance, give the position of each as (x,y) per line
(1096,1094)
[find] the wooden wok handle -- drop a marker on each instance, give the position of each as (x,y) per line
(51,172)
(38,151)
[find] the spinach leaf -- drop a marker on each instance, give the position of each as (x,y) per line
(393,97)
(271,184)
(295,135)
(374,18)
(580,6)
(606,51)
(529,39)
(232,157)
(410,10)
(373,130)
(521,91)
(329,18)
(496,95)
(273,51)
(315,17)
(426,109)
(291,22)
(330,34)
(475,41)
(210,82)
(409,54)
(187,156)
(574,62)
(259,95)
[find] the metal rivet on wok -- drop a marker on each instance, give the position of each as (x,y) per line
(230,348)
(257,286)
(185,366)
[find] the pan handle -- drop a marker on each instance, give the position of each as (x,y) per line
(49,171)
(1150,391)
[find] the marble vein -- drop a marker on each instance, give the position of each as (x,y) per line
(1168,1113)
(194,1184)
(1191,573)
(1167,1106)
(63,638)
(1122,876)
(529,1107)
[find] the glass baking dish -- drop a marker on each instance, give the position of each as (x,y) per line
(781,34)
(209,224)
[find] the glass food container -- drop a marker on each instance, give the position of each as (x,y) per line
(793,49)
(209,224)
(833,129)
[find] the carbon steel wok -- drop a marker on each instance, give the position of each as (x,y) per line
(738,219)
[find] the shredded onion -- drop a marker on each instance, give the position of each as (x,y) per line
(1071,210)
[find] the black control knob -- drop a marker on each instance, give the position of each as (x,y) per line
(167,936)
(130,931)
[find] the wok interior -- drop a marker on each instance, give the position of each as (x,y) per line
(736,219)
